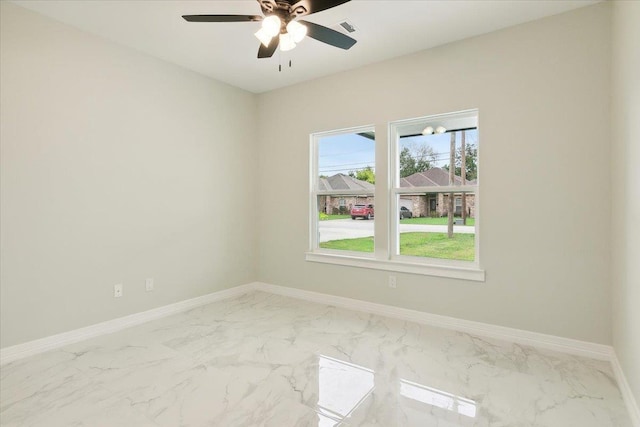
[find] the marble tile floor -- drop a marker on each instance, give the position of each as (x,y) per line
(267,360)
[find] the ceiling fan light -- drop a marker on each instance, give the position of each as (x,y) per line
(297,31)
(286,42)
(264,38)
(271,25)
(441,129)
(428,130)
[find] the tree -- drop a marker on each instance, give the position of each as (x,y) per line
(407,163)
(418,159)
(366,174)
(471,162)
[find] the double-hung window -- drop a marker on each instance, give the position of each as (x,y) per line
(434,171)
(342,192)
(428,218)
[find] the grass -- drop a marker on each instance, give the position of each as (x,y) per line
(438,245)
(430,245)
(433,221)
(361,244)
(325,217)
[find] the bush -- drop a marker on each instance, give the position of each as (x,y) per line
(323,216)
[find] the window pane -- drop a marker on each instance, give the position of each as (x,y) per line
(433,153)
(346,163)
(424,159)
(424,226)
(348,227)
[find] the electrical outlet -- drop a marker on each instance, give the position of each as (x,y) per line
(148,283)
(392,282)
(117,290)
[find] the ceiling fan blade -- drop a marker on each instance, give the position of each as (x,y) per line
(222,18)
(267,52)
(307,7)
(328,36)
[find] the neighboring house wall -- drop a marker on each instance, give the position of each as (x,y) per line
(436,204)
(332,205)
(422,206)
(342,204)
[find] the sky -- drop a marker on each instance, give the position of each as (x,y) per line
(350,152)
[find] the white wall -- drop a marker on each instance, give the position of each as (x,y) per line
(543,93)
(625,168)
(115,167)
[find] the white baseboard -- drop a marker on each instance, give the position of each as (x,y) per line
(629,398)
(9,354)
(564,345)
(551,342)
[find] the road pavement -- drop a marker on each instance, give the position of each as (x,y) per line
(337,229)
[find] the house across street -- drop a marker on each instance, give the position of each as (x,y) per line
(431,204)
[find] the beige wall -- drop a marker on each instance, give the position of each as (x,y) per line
(625,167)
(115,167)
(542,90)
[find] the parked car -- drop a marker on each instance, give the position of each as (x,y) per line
(362,211)
(405,213)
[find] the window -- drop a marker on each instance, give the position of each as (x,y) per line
(429,197)
(343,184)
(435,165)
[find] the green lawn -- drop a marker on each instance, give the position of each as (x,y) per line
(431,245)
(362,244)
(438,245)
(433,221)
(325,217)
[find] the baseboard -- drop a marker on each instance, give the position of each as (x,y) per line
(629,398)
(550,342)
(565,345)
(9,354)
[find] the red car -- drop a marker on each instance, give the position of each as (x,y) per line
(363,211)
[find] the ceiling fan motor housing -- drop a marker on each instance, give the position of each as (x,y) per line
(284,10)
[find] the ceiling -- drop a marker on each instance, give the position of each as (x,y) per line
(227,51)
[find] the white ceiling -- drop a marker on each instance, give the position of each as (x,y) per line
(227,51)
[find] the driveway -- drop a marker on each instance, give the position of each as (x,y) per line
(337,229)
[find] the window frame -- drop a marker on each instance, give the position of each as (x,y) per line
(385,257)
(315,193)
(395,191)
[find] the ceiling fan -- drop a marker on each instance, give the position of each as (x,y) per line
(280,27)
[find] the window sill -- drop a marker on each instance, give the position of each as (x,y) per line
(471,273)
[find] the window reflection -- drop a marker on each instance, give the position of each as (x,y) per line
(342,388)
(438,398)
